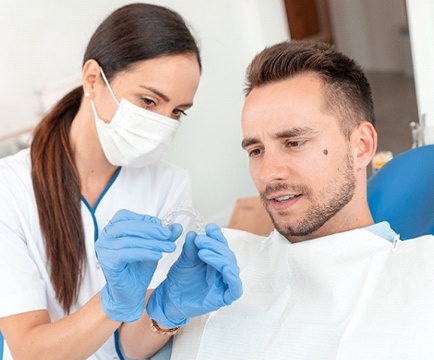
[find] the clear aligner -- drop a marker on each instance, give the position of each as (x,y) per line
(198,219)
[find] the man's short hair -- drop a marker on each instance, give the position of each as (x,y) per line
(347,91)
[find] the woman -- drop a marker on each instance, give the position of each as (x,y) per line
(98,151)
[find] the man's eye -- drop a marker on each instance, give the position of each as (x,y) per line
(295,144)
(254,152)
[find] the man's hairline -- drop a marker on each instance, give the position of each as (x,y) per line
(328,106)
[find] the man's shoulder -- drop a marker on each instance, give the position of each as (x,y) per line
(424,242)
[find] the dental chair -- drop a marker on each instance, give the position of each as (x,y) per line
(402,192)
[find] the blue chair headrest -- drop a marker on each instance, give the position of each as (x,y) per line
(402,192)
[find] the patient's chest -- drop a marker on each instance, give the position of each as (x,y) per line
(359,300)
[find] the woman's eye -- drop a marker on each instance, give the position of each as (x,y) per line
(148,102)
(178,113)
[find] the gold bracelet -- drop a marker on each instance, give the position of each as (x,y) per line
(168,332)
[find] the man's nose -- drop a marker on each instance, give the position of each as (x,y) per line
(273,168)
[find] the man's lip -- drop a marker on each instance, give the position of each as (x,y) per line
(280,195)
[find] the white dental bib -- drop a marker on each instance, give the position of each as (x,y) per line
(351,295)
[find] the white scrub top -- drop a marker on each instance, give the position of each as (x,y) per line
(24,278)
(352,295)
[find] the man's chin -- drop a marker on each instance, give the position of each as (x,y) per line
(282,226)
(294,229)
(287,228)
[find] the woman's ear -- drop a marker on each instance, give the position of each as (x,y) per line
(365,144)
(89,75)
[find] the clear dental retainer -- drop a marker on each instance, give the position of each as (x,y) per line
(195,215)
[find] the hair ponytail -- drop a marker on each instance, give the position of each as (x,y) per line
(58,198)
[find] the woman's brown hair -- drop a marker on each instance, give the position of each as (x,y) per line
(130,34)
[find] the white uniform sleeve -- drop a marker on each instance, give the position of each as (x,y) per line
(21,284)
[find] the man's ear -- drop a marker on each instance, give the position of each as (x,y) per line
(365,144)
(89,75)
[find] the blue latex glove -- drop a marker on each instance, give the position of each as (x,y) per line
(128,251)
(203,279)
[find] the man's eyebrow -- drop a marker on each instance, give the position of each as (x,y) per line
(289,133)
(248,141)
(293,132)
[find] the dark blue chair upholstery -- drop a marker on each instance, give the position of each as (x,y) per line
(402,192)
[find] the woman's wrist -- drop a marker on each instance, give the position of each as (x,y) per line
(162,330)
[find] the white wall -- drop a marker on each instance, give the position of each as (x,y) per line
(420,17)
(209,143)
(369,31)
(43,41)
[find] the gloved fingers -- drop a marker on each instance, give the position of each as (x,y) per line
(119,261)
(189,256)
(222,248)
(214,231)
(234,285)
(135,227)
(219,261)
(176,230)
(228,272)
(224,280)
(126,250)
(226,284)
(134,242)
(125,214)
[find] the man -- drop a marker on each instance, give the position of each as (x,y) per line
(328,283)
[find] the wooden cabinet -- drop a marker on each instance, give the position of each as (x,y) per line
(309,19)
(250,215)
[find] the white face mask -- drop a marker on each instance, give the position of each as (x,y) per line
(135,137)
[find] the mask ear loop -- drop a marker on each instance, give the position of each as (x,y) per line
(86,94)
(108,85)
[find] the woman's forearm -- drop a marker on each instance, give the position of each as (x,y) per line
(137,338)
(33,336)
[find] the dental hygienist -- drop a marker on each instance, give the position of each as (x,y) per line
(98,151)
